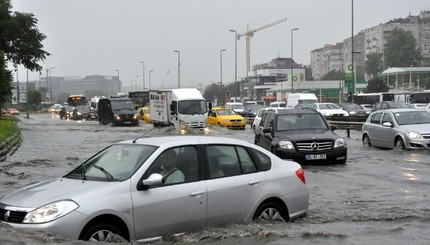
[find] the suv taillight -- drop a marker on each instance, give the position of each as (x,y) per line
(301,174)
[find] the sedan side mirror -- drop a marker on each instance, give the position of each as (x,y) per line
(152,181)
(387,124)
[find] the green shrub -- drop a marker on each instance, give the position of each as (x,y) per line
(7,127)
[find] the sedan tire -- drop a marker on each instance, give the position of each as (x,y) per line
(103,232)
(271,211)
(399,144)
(366,141)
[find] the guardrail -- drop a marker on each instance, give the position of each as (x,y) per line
(347,125)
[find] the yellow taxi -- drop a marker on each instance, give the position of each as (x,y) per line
(226,117)
(144,114)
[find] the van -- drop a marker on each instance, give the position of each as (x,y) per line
(301,98)
(235,106)
(278,104)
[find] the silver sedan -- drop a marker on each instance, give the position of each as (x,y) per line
(148,187)
(397,128)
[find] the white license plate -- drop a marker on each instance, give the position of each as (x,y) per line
(316,157)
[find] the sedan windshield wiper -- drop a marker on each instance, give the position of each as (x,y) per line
(108,175)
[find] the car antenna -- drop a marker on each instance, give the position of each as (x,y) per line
(143,136)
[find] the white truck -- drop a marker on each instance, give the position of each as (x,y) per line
(300,98)
(184,108)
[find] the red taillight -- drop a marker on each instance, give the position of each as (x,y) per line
(301,174)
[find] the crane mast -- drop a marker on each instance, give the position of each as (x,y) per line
(249,33)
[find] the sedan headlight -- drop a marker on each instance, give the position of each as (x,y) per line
(327,114)
(117,117)
(286,145)
(50,212)
(339,143)
(352,113)
(226,120)
(414,135)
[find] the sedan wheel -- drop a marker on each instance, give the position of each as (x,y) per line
(103,233)
(366,141)
(270,212)
(399,144)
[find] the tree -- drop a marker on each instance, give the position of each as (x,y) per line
(5,81)
(376,85)
(401,50)
(333,75)
(213,91)
(20,44)
(374,64)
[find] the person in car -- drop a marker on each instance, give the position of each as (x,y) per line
(170,171)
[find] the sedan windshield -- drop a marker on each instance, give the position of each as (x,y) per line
(412,117)
(115,163)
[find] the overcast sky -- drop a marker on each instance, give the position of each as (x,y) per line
(89,37)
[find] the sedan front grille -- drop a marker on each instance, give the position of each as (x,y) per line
(12,216)
(314,146)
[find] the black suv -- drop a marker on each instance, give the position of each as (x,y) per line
(303,136)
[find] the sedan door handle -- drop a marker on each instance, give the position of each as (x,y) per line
(197,193)
(253,182)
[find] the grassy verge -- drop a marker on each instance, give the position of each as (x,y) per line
(7,127)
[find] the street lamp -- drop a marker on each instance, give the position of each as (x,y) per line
(135,83)
(119,86)
(291,66)
(149,85)
(143,75)
(235,61)
(220,68)
(50,82)
(220,59)
(179,67)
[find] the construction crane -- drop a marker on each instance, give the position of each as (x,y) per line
(250,33)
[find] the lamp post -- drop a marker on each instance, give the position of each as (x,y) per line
(50,82)
(179,67)
(149,85)
(235,61)
(135,82)
(291,66)
(220,68)
(143,75)
(119,86)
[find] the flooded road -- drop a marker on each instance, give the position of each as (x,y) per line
(379,196)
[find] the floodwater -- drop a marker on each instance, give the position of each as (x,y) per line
(379,196)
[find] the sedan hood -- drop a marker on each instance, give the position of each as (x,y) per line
(39,194)
(308,135)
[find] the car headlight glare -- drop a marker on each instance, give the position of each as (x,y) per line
(339,143)
(286,145)
(414,135)
(50,212)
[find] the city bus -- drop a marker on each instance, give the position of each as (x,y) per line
(77,100)
(420,97)
(372,98)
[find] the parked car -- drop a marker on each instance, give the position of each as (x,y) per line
(250,112)
(397,128)
(418,105)
(154,186)
(355,111)
(3,111)
(330,110)
(144,114)
(278,104)
(427,108)
(12,111)
(226,117)
(367,107)
(389,105)
(257,119)
(303,136)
